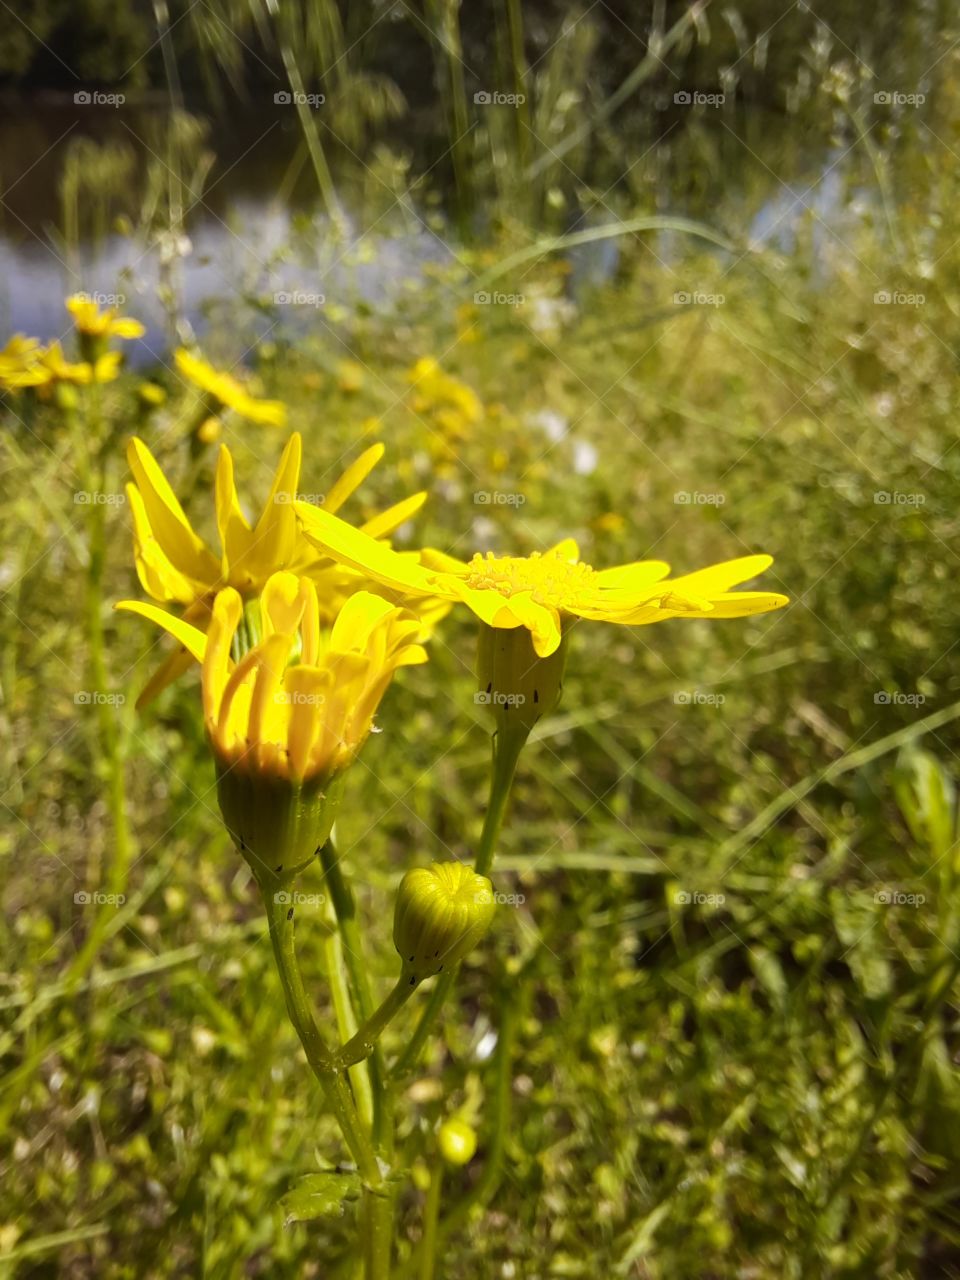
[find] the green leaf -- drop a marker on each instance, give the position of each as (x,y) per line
(319,1195)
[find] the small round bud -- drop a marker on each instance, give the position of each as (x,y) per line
(441,912)
(458,1141)
(209,430)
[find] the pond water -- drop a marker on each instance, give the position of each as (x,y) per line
(257,249)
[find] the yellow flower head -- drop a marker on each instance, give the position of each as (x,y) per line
(105,367)
(286,715)
(175,566)
(91,322)
(20,364)
(454,406)
(544,592)
(228,392)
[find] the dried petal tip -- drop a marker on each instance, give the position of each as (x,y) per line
(441,913)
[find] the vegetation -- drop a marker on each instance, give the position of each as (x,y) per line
(715,1034)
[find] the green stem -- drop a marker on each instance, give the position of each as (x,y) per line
(431,1215)
(363,1043)
(346,1019)
(506,753)
(318,1055)
(345,908)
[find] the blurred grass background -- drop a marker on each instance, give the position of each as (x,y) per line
(732,981)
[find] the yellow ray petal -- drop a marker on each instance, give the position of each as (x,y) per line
(232,525)
(717,578)
(192,639)
(633,577)
(371,558)
(353,478)
(170,525)
(394,516)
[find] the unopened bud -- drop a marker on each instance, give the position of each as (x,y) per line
(457,1140)
(441,913)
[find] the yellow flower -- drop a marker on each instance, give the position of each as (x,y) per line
(228,392)
(545,592)
(91,322)
(454,405)
(105,367)
(20,364)
(175,566)
(349,376)
(291,713)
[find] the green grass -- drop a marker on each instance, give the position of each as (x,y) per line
(757,1084)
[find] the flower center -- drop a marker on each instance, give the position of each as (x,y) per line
(549,580)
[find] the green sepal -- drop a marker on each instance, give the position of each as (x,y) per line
(514,683)
(277,824)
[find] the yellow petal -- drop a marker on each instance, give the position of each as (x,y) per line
(721,577)
(274,541)
(359,551)
(192,639)
(633,577)
(186,552)
(353,478)
(231,523)
(394,516)
(565,550)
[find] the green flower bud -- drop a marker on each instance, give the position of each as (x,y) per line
(458,1141)
(441,912)
(513,682)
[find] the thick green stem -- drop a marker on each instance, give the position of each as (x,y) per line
(506,753)
(331,1077)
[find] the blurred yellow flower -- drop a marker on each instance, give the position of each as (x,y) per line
(105,368)
(451,404)
(227,392)
(20,364)
(543,592)
(349,376)
(91,322)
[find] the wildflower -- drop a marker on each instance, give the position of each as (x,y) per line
(225,392)
(544,592)
(288,716)
(175,566)
(528,603)
(95,327)
(105,368)
(441,912)
(453,405)
(20,364)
